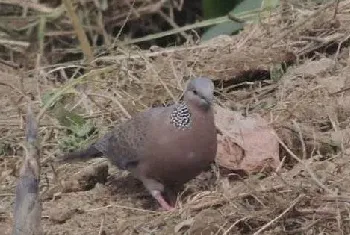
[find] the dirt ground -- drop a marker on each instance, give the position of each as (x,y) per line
(308,105)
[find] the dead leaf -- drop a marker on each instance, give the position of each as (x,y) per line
(246,143)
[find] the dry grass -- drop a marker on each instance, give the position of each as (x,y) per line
(308,106)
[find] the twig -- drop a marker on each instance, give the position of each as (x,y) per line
(68,86)
(123,109)
(84,43)
(100,232)
(221,201)
(123,207)
(244,16)
(15,89)
(172,23)
(303,148)
(140,11)
(125,21)
(14,43)
(234,224)
(301,23)
(340,44)
(159,78)
(232,17)
(165,51)
(311,173)
(7,195)
(336,9)
(304,228)
(280,215)
(29,4)
(27,213)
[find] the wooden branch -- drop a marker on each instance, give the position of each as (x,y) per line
(27,211)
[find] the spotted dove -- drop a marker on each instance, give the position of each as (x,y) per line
(163,146)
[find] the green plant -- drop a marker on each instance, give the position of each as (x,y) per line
(231,27)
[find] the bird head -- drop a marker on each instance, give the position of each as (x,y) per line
(200,91)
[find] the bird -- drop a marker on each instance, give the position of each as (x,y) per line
(163,147)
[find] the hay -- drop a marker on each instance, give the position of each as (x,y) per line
(308,108)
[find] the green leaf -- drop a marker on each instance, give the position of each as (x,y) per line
(74,122)
(71,120)
(226,28)
(276,72)
(82,130)
(83,135)
(45,98)
(246,5)
(216,8)
(269,4)
(229,28)
(67,118)
(41,34)
(5,149)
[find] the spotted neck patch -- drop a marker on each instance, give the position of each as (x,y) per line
(181,116)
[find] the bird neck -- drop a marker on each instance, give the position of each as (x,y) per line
(198,106)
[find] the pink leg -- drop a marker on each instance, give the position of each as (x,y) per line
(158,196)
(171,196)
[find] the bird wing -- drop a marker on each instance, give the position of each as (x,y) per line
(124,144)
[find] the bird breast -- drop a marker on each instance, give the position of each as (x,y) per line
(179,154)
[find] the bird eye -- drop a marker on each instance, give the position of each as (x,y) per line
(195,92)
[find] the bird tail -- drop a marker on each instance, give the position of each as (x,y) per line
(84,154)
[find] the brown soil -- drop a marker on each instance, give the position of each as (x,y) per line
(308,107)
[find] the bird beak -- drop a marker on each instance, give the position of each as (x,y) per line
(208,96)
(207,100)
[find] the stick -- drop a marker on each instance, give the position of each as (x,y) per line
(279,216)
(27,211)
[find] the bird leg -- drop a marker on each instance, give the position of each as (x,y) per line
(158,196)
(171,195)
(156,188)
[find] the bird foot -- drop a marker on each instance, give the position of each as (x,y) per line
(160,199)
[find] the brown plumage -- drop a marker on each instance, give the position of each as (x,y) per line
(163,146)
